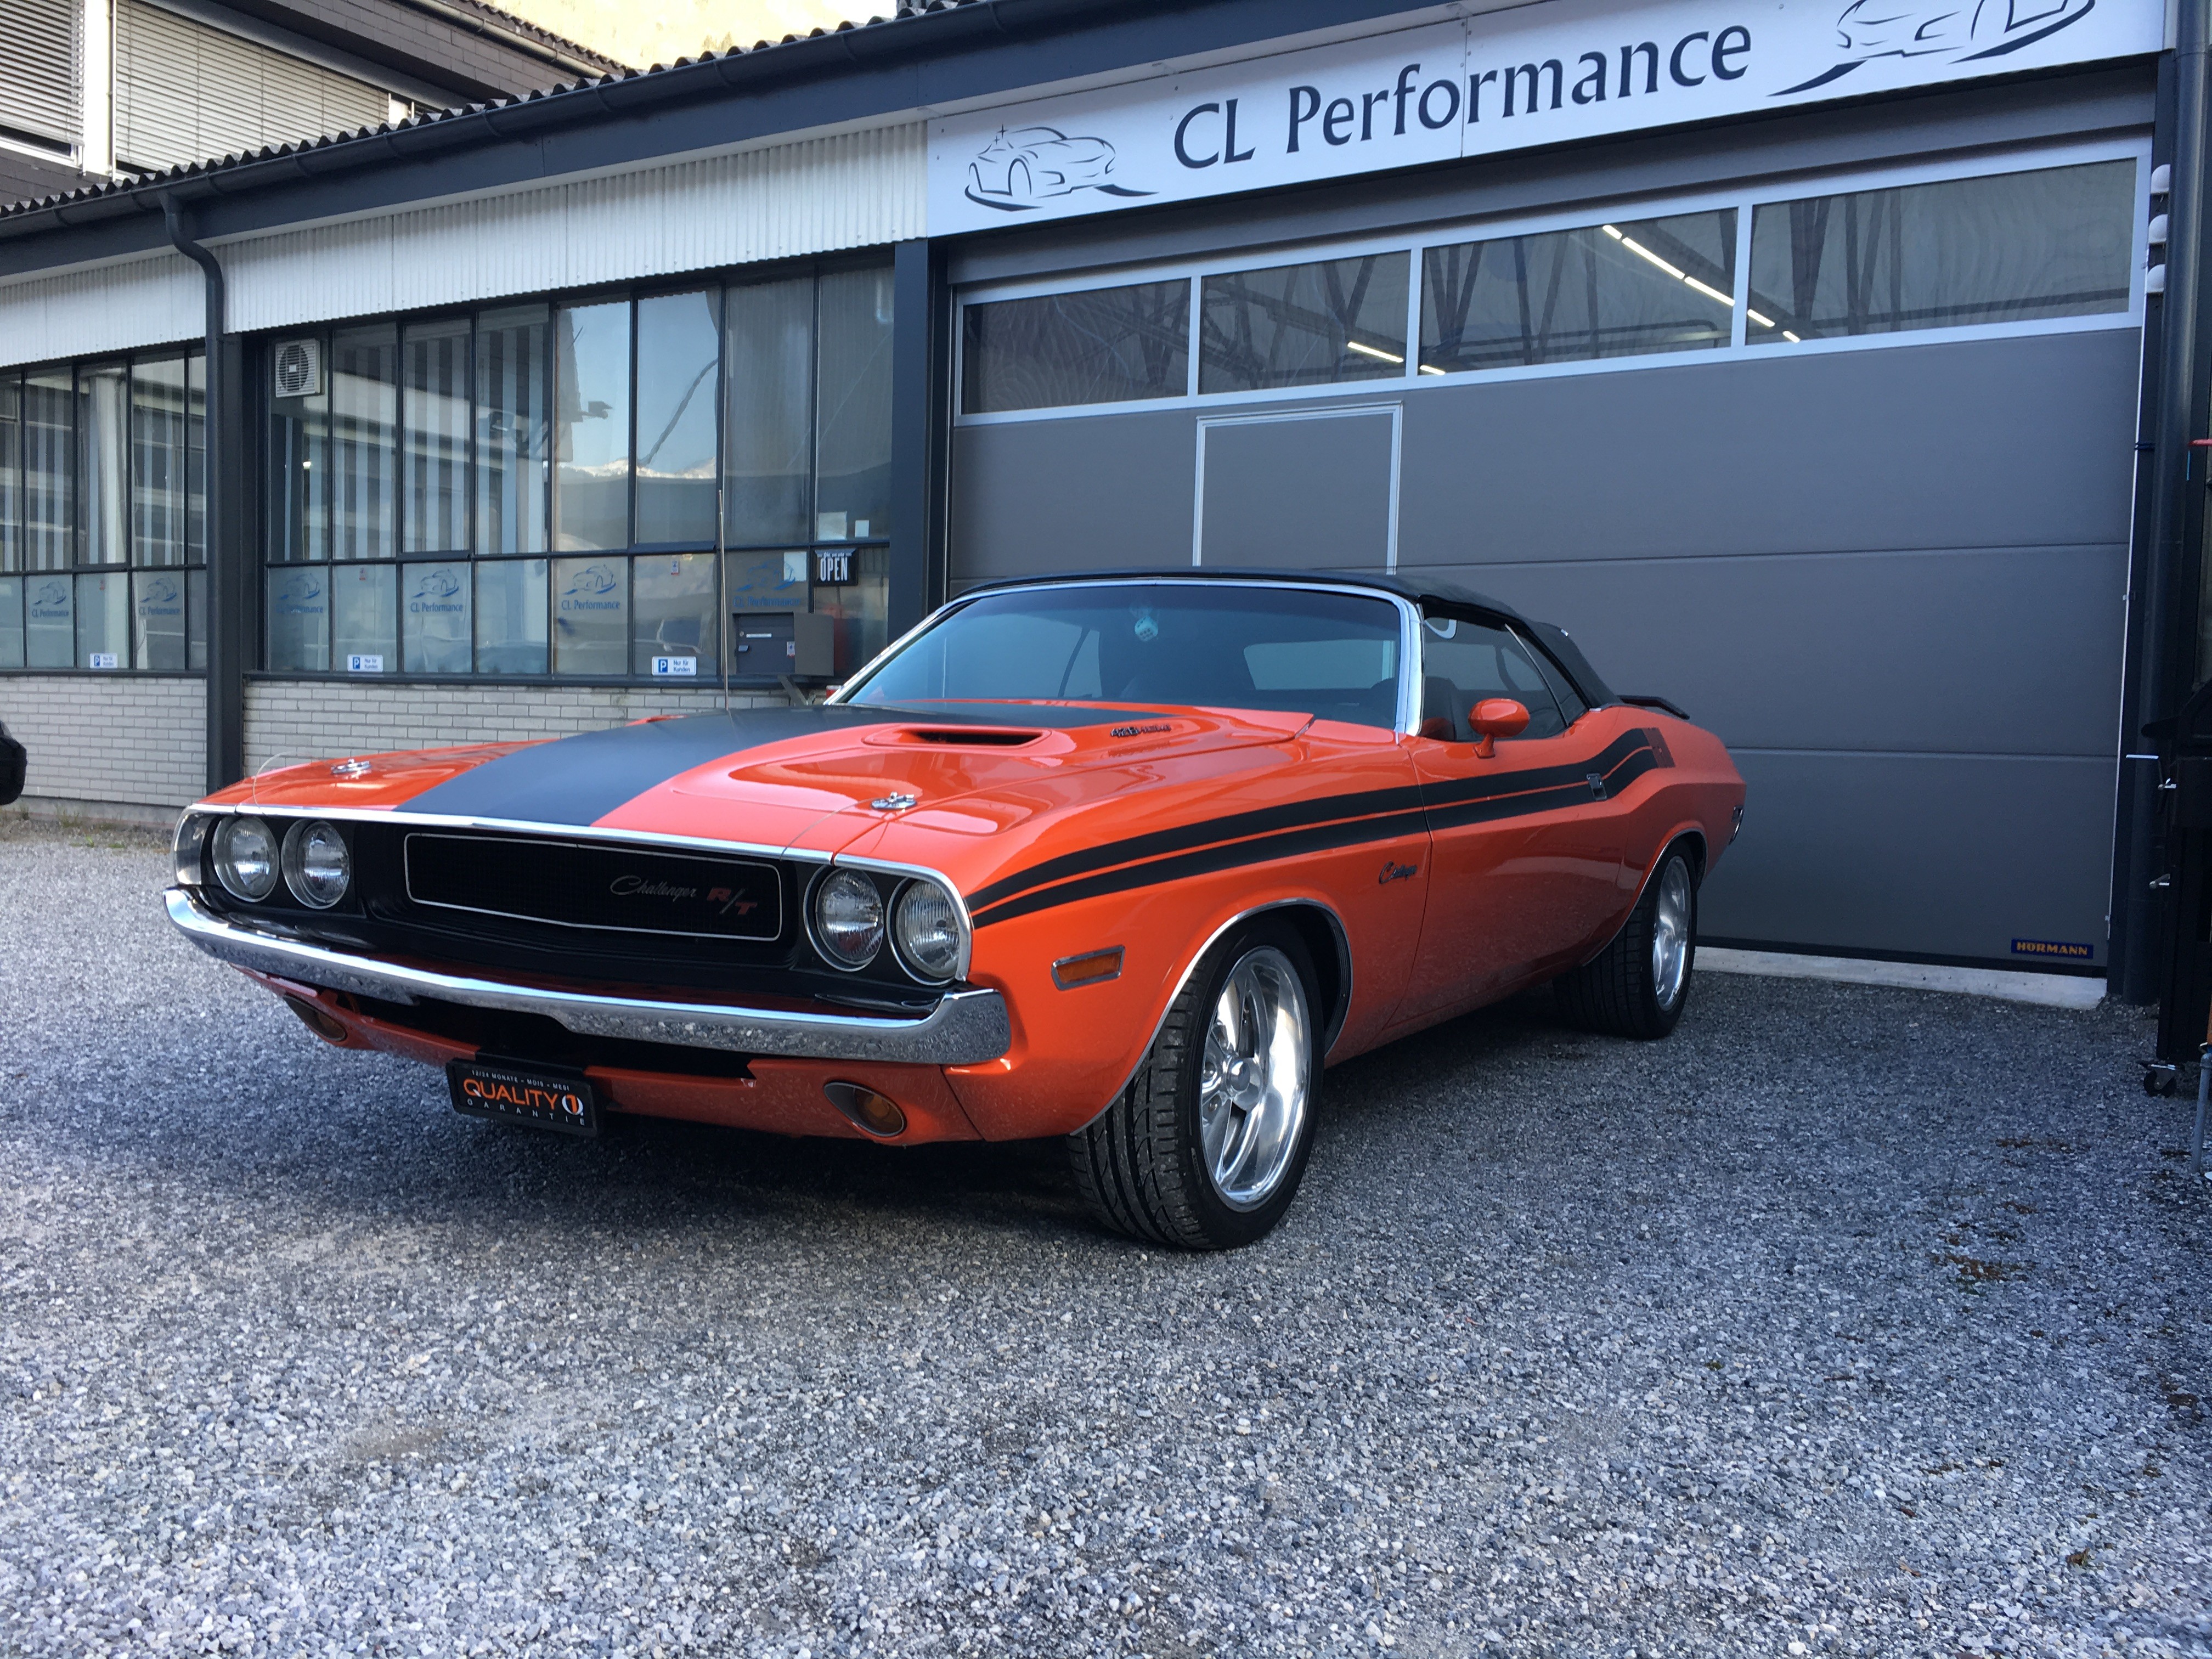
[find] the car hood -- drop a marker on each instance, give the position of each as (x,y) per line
(816,778)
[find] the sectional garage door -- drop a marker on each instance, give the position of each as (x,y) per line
(1889,572)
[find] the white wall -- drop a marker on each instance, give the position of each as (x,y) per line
(309,720)
(137,739)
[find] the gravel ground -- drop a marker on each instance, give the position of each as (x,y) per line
(1849,1321)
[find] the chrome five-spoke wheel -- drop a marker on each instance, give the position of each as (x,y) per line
(1255,1077)
(1670,934)
(1205,1146)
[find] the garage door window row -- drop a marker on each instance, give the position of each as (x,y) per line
(2019,247)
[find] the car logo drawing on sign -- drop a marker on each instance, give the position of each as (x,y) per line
(1018,169)
(1913,28)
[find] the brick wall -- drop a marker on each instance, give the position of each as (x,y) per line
(134,741)
(312,720)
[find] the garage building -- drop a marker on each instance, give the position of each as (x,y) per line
(1815,370)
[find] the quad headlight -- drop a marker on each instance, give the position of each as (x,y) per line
(245,858)
(927,928)
(191,848)
(849,919)
(317,866)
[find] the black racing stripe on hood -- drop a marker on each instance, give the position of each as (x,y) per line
(580,779)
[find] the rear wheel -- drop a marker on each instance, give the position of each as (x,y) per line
(1639,984)
(1205,1147)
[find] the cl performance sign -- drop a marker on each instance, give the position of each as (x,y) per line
(1540,74)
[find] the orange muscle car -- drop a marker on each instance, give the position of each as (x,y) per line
(1127,859)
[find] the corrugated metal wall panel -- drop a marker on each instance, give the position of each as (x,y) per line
(138,302)
(818,195)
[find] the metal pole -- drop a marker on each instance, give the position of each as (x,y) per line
(722,581)
(2167,666)
(2203,1098)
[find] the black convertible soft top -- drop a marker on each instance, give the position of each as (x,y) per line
(1554,640)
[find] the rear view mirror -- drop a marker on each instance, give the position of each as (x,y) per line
(1494,718)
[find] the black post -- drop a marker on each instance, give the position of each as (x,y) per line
(921,397)
(2167,575)
(226,640)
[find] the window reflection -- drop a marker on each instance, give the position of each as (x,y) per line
(435,358)
(1608,290)
(364,414)
(103,466)
(1102,345)
(1310,324)
(678,351)
(769,494)
(512,422)
(854,456)
(590,439)
(2057,242)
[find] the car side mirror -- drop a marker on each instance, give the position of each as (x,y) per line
(1494,718)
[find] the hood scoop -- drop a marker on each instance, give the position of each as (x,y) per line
(957,737)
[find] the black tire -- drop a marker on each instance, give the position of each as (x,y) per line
(1619,992)
(1140,1164)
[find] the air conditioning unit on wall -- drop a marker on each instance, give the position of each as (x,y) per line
(298,368)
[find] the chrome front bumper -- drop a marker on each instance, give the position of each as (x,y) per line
(966,1028)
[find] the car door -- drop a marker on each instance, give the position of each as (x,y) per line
(1525,851)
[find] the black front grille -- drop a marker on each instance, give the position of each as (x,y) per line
(629,889)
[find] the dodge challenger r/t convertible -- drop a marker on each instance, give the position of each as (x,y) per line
(1127,859)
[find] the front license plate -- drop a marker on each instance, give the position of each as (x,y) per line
(544,1099)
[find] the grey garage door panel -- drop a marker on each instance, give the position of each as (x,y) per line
(1307,489)
(1032,497)
(1933,855)
(1985,443)
(2006,651)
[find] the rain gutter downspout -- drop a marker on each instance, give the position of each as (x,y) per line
(226,680)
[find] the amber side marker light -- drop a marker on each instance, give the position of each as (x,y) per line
(875,1114)
(1092,967)
(316,1020)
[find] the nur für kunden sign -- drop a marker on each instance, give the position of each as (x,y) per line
(1540,74)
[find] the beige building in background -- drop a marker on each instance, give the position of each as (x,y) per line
(643,33)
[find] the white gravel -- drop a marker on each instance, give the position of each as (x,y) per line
(1848,1320)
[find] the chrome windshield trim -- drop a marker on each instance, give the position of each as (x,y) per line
(1409,624)
(966,1027)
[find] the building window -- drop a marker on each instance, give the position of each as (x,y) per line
(853,406)
(1311,324)
(1606,290)
(591,429)
(532,489)
(2057,242)
(103,515)
(1102,345)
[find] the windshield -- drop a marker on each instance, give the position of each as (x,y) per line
(1194,644)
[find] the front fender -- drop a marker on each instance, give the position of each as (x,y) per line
(1074,1050)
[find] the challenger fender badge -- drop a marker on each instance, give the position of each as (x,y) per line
(1393,871)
